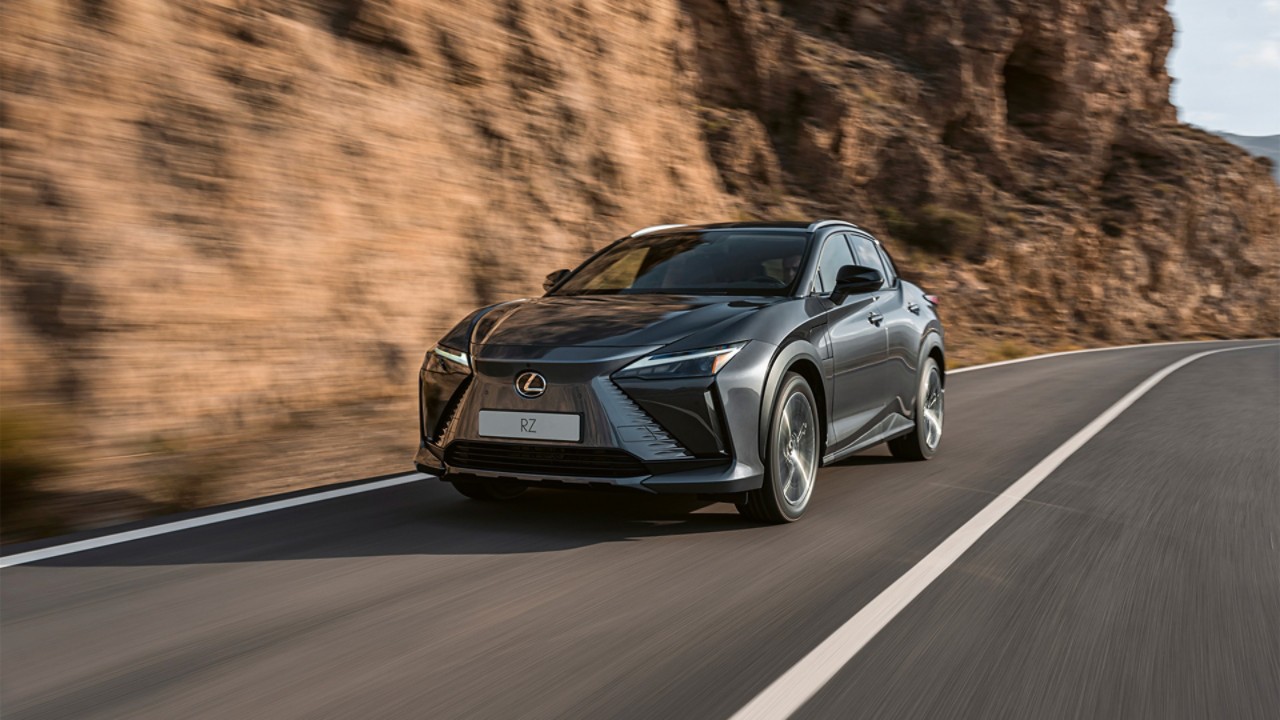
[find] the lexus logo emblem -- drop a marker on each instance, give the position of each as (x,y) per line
(530,384)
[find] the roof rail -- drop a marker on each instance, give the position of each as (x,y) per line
(654,228)
(816,224)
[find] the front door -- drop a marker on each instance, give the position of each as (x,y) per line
(901,325)
(858,346)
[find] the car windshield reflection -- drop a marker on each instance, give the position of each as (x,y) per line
(715,262)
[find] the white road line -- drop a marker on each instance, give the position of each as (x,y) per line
(1046,356)
(789,692)
(152,531)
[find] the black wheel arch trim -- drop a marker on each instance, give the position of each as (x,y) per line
(931,341)
(786,357)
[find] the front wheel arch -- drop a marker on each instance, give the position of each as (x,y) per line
(771,502)
(802,358)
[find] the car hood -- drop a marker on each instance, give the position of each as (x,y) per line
(609,321)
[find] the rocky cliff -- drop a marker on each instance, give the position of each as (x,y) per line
(1266,146)
(232,228)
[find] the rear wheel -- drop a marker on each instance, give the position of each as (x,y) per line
(922,442)
(488,490)
(792,460)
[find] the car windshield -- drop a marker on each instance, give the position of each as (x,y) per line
(711,262)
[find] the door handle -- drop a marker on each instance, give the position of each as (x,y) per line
(914,307)
(875,318)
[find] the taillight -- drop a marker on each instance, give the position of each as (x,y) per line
(933,300)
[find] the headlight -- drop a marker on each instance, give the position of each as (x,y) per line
(684,364)
(449,358)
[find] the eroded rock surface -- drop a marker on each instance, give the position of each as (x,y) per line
(232,228)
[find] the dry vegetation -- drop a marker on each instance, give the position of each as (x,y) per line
(232,228)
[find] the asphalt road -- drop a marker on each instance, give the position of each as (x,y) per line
(1141,579)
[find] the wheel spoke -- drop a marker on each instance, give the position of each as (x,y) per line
(933,411)
(933,428)
(789,484)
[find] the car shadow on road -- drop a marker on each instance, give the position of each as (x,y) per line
(425,518)
(429,517)
(543,520)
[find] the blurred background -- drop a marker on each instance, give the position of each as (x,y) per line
(231,229)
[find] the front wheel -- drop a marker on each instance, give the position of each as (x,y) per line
(922,442)
(488,490)
(792,460)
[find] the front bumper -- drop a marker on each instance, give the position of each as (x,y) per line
(697,435)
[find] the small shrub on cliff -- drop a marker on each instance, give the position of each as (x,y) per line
(25,463)
(934,228)
(185,477)
(946,229)
(1010,350)
(188,486)
(897,225)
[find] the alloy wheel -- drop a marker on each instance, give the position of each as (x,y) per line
(796,451)
(932,409)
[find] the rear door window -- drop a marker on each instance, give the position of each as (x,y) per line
(892,277)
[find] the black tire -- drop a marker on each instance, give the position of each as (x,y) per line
(769,504)
(488,490)
(915,444)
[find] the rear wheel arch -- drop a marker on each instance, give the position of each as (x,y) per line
(937,355)
(931,347)
(924,437)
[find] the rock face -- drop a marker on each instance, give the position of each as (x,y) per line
(1024,156)
(1267,146)
(232,228)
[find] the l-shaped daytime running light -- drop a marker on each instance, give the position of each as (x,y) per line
(453,356)
(688,363)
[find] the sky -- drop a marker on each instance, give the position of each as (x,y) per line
(1226,64)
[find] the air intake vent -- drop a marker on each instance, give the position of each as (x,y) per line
(543,460)
(660,445)
(451,411)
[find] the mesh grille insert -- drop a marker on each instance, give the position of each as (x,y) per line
(543,459)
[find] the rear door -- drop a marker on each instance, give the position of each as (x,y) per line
(858,348)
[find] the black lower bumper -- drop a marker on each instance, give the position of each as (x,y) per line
(556,466)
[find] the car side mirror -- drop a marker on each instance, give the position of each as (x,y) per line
(554,278)
(855,279)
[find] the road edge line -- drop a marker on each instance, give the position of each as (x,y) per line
(789,692)
(53,551)
(1061,353)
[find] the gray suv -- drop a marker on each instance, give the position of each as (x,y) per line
(727,360)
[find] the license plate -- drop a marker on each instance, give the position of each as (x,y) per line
(564,427)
